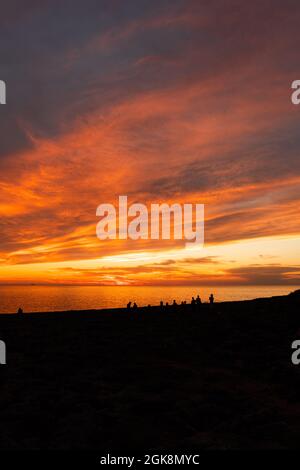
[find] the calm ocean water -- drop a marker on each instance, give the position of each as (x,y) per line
(57,298)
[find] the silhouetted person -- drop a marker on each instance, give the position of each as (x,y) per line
(174,303)
(193,301)
(198,300)
(135,306)
(128,305)
(161,304)
(211,299)
(20,311)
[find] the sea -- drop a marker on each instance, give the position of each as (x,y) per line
(36,298)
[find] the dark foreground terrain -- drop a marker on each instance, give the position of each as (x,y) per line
(219,378)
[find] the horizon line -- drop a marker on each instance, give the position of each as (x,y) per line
(150,285)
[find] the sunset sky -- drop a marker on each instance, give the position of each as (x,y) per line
(162,101)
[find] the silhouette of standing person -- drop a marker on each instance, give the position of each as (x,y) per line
(198,300)
(211,299)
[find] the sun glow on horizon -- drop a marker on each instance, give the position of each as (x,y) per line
(231,262)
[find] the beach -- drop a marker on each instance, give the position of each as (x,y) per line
(48,298)
(213,377)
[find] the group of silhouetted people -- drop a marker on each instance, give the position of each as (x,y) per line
(195,302)
(134,306)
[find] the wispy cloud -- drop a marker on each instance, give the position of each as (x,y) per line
(182,102)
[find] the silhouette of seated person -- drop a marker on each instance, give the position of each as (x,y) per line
(20,311)
(174,303)
(198,300)
(211,299)
(128,305)
(135,306)
(161,304)
(193,301)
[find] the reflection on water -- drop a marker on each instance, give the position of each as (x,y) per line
(57,298)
